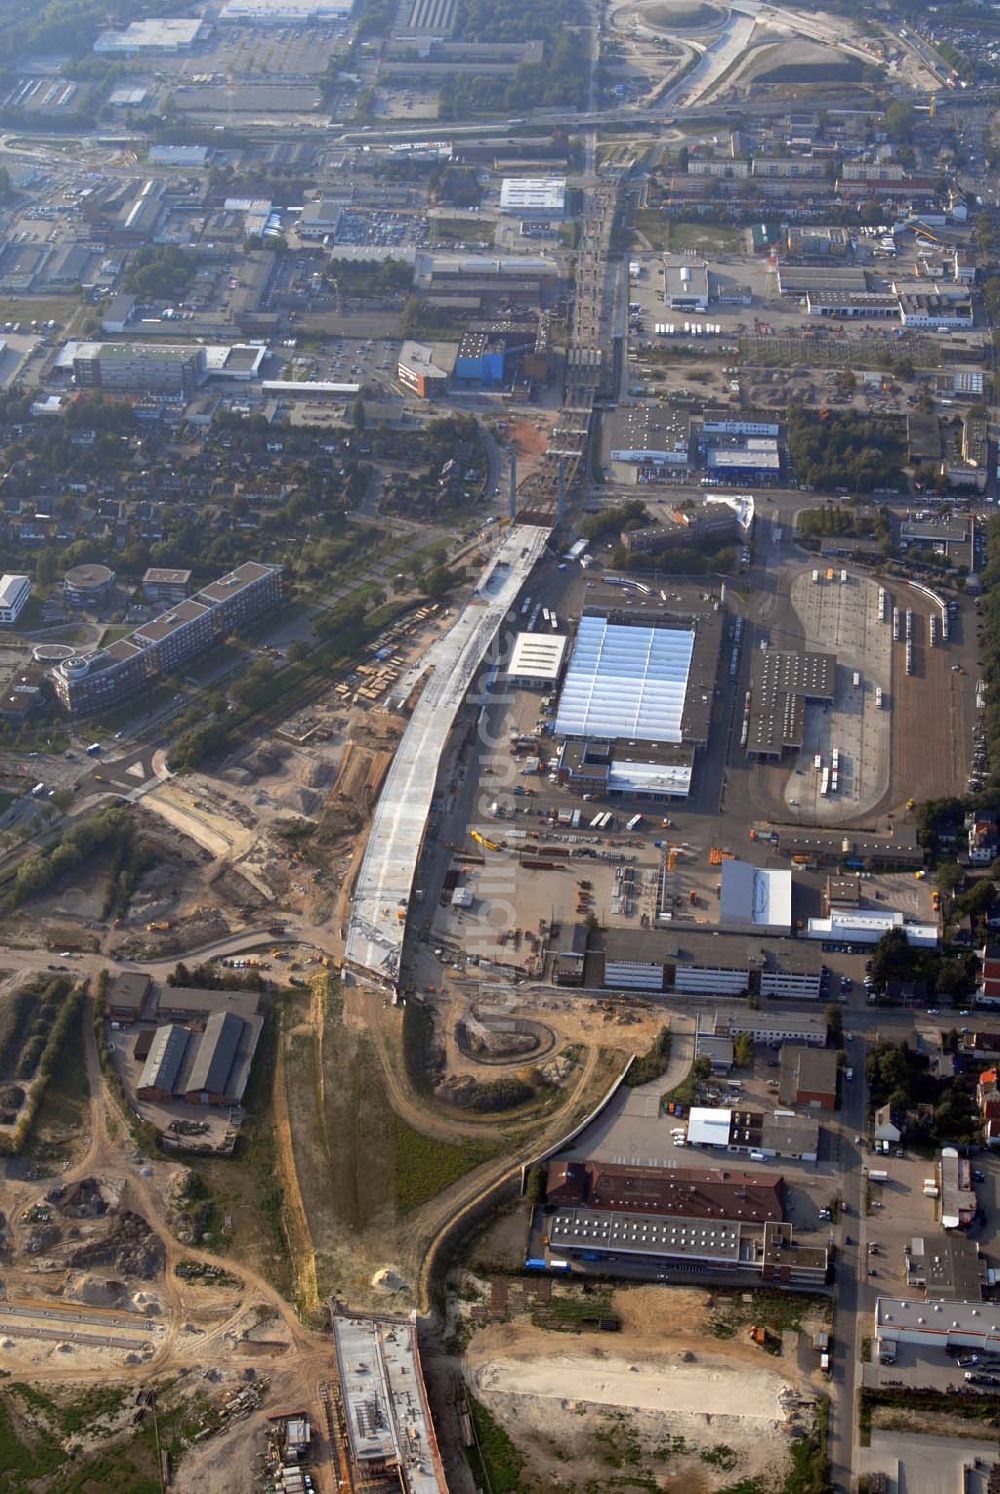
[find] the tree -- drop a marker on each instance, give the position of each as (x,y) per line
(949,875)
(892,958)
(743,1051)
(953,981)
(45,568)
(438,583)
(359,416)
(976,901)
(534,1190)
(899,119)
(834,1020)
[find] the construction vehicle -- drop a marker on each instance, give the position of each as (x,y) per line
(160,926)
(489,845)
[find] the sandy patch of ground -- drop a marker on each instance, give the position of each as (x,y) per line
(218,836)
(692,1420)
(530,439)
(654,1385)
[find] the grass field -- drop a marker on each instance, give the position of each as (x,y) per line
(28,309)
(424,1166)
(114,631)
(496,1463)
(653,226)
(705,238)
(693,238)
(465,230)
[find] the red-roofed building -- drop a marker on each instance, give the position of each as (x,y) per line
(567,1183)
(989,975)
(687,1192)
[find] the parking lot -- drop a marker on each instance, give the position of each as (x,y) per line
(360,227)
(930,1465)
(842,618)
(631,1130)
(350,360)
(921,1368)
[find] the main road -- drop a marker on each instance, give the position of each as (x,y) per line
(851,1301)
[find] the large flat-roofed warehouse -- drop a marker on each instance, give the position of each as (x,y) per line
(774,1135)
(638,693)
(165,35)
(900,848)
(935,1325)
(485,274)
(801,280)
(285,12)
(537,659)
(650,436)
(642,770)
(744,458)
(626,681)
(753,900)
(533,197)
(685,283)
(780,685)
(769,1251)
(701,962)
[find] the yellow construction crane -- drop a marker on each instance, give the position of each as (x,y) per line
(490,845)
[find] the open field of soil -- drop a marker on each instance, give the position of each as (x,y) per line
(666,1398)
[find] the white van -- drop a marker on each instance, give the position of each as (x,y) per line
(757,1157)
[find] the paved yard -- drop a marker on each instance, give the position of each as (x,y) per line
(927,1465)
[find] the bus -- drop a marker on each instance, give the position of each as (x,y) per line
(634,822)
